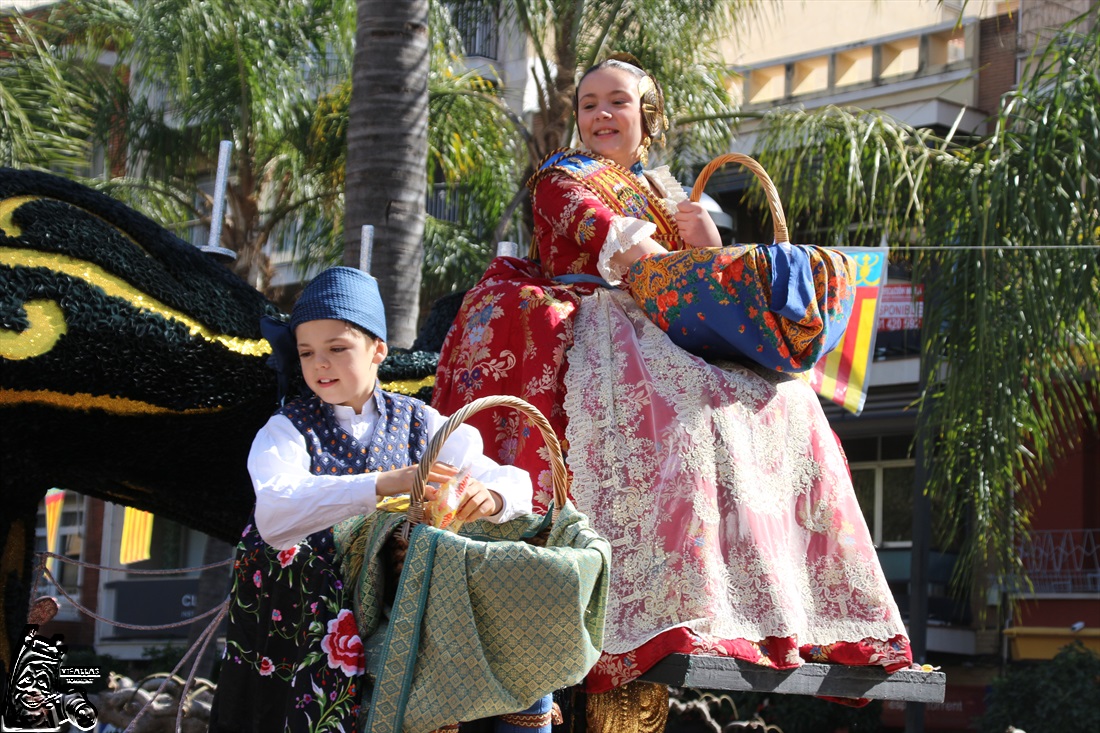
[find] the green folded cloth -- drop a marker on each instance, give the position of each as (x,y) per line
(483,623)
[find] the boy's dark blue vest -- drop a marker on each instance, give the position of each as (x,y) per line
(399,439)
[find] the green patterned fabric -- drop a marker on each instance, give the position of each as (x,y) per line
(483,624)
(358,543)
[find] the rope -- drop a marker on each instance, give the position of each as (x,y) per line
(39,571)
(172,571)
(201,643)
(205,638)
(158,627)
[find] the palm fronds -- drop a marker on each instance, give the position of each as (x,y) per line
(1004,234)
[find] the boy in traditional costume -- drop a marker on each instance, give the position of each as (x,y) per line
(294,659)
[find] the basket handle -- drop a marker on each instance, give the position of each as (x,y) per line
(559,474)
(779,221)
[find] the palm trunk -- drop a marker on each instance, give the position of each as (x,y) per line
(388,152)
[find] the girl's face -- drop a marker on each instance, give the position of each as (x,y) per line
(609,115)
(339,362)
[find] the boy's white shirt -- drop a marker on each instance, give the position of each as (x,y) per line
(292,502)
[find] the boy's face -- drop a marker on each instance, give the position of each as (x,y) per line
(339,362)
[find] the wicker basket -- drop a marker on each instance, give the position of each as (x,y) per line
(464,595)
(559,474)
(398,543)
(716,302)
(779,220)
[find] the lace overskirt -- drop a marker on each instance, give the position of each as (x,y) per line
(723,491)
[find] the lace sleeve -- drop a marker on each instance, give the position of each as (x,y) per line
(623,233)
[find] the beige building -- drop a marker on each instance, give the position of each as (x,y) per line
(925,63)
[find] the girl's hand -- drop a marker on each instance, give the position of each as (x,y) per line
(696,227)
(478,502)
(400,480)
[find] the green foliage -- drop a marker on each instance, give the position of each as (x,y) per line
(1019,339)
(454,259)
(274,77)
(35,72)
(1003,233)
(477,144)
(156,86)
(1048,697)
(838,167)
(161,658)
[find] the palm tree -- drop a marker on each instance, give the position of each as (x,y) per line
(35,130)
(210,71)
(679,42)
(1012,321)
(387,152)
(175,77)
(484,151)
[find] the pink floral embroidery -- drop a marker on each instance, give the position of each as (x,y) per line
(287,556)
(266,667)
(343,645)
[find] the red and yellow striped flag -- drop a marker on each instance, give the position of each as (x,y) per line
(137,536)
(843,374)
(55,501)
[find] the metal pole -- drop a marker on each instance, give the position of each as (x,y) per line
(213,244)
(507,249)
(366,246)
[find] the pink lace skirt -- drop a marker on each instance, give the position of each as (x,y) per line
(728,503)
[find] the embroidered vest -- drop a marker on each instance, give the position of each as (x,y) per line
(619,189)
(399,438)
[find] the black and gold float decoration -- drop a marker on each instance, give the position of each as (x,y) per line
(132,369)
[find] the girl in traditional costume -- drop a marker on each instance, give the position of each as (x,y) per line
(723,491)
(294,658)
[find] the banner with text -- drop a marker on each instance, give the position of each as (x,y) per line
(843,374)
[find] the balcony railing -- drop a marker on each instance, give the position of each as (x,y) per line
(476,22)
(1062,561)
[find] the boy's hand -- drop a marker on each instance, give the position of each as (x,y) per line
(400,480)
(478,502)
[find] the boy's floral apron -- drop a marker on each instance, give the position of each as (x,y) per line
(293,657)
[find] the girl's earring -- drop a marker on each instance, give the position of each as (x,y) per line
(643,151)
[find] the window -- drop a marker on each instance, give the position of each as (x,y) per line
(476,23)
(171,546)
(883,474)
(70,543)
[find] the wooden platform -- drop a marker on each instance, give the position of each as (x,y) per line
(722,673)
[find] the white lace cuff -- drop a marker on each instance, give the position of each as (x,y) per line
(623,233)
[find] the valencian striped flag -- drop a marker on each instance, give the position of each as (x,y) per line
(55,501)
(137,536)
(843,374)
